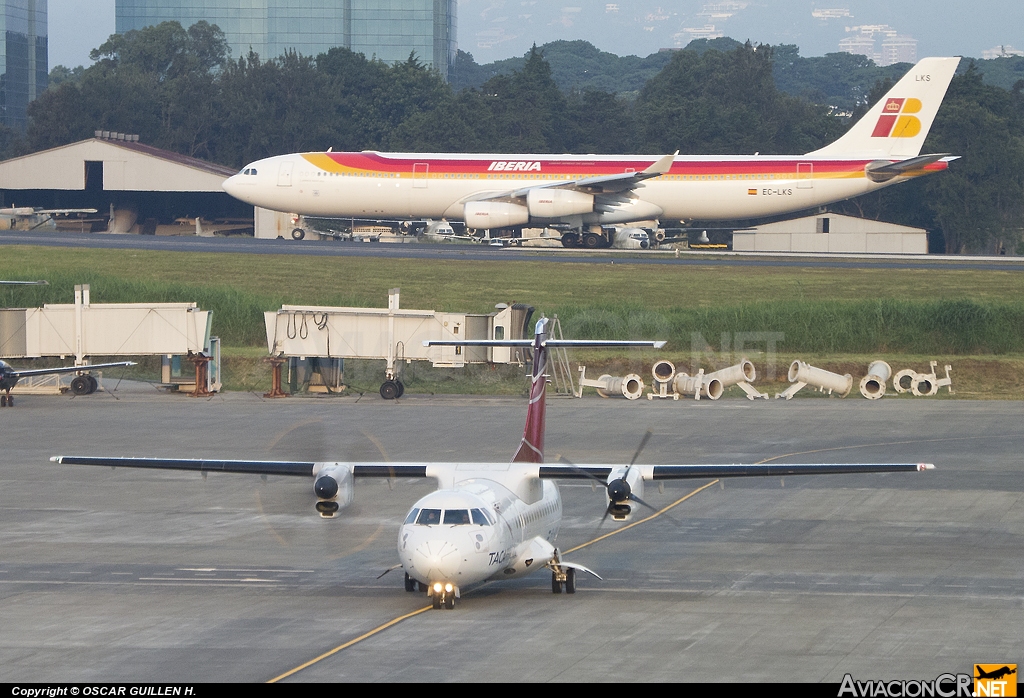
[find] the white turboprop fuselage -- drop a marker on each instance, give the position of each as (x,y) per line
(479,529)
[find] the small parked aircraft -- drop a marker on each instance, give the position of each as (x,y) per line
(492,520)
(83,384)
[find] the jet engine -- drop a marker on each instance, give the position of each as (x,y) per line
(333,488)
(555,203)
(485,215)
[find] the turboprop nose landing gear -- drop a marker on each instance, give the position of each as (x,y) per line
(443,595)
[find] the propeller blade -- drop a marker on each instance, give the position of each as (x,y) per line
(565,461)
(640,448)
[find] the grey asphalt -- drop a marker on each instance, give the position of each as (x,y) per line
(121,575)
(328,248)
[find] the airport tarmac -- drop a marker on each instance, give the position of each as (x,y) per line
(129,575)
(486,253)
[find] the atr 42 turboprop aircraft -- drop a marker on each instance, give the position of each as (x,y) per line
(585,192)
(81,385)
(490,521)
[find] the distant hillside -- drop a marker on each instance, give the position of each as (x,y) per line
(841,80)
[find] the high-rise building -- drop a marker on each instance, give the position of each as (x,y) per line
(388,30)
(23,58)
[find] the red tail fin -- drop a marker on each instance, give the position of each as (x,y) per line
(531,448)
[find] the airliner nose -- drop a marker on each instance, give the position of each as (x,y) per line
(437,559)
(230,185)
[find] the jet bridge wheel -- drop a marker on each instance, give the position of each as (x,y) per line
(80,385)
(389,390)
(298,234)
(401,388)
(93,383)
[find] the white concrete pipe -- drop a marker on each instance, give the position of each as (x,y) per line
(904,380)
(872,386)
(630,386)
(663,371)
(698,385)
(743,372)
(800,372)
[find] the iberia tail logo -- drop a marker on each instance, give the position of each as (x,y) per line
(896,120)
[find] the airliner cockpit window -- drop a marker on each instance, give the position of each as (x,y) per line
(429,517)
(412,515)
(252,171)
(456,517)
(245,171)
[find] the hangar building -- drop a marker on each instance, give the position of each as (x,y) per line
(136,188)
(832,232)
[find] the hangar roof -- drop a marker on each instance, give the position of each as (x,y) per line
(839,223)
(127,166)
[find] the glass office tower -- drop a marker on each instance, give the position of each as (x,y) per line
(386,29)
(23,59)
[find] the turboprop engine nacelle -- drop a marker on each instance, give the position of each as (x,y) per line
(624,483)
(333,488)
(555,203)
(494,214)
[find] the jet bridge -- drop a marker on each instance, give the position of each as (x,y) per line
(394,335)
(85,329)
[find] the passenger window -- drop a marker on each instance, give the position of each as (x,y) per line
(429,517)
(479,518)
(456,517)
(412,515)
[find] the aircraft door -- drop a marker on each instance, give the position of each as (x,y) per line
(805,175)
(420,172)
(284,175)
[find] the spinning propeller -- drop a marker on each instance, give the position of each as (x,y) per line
(619,490)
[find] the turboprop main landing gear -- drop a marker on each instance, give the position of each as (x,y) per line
(565,579)
(6,400)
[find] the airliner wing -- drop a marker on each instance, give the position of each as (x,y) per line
(68,369)
(255,467)
(605,184)
(687,472)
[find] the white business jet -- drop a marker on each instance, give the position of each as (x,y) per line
(586,195)
(490,521)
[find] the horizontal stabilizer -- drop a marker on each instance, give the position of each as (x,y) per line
(883,171)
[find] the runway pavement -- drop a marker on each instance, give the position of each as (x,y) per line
(475,252)
(121,575)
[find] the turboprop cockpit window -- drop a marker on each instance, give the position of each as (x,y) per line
(480,518)
(429,517)
(412,515)
(456,517)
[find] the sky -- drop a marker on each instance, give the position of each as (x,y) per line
(495,29)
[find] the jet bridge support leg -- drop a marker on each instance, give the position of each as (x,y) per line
(202,364)
(276,362)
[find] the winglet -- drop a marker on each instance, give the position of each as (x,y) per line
(925,466)
(662,165)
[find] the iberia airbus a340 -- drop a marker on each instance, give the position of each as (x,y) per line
(581,193)
(490,521)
